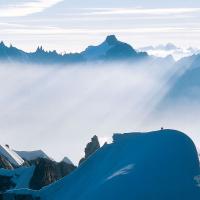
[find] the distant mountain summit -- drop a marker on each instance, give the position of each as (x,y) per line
(187,83)
(110,50)
(11,52)
(111,40)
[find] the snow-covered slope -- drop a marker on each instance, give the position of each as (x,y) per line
(11,155)
(157,165)
(32,155)
(21,176)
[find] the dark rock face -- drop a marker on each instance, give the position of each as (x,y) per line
(65,168)
(23,197)
(90,148)
(13,196)
(48,171)
(6,183)
(5,164)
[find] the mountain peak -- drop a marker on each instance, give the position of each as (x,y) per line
(2,44)
(111,39)
(67,161)
(40,49)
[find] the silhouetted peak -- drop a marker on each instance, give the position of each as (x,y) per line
(40,49)
(95,139)
(2,44)
(90,148)
(111,39)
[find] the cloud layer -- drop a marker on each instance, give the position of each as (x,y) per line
(58,109)
(61,108)
(24,8)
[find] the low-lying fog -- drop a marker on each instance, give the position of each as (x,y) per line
(58,109)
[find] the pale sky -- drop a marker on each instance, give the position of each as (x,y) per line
(73,25)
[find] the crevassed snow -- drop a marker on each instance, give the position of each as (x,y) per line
(32,155)
(21,176)
(11,155)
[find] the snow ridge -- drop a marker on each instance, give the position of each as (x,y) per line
(32,155)
(11,155)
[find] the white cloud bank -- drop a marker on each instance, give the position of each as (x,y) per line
(58,109)
(140,11)
(25,8)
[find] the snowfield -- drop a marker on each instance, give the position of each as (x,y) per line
(32,155)
(20,176)
(158,165)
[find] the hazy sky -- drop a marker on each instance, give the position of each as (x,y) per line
(72,25)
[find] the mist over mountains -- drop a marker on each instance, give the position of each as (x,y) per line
(54,102)
(111,49)
(91,89)
(170,49)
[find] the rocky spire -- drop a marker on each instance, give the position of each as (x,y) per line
(90,148)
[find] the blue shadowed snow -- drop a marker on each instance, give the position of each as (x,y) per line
(156,165)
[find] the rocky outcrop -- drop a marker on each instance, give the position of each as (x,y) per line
(4,163)
(90,148)
(48,171)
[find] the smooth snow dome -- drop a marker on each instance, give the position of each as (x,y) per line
(157,165)
(11,155)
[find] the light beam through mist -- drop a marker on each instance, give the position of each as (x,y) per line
(58,109)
